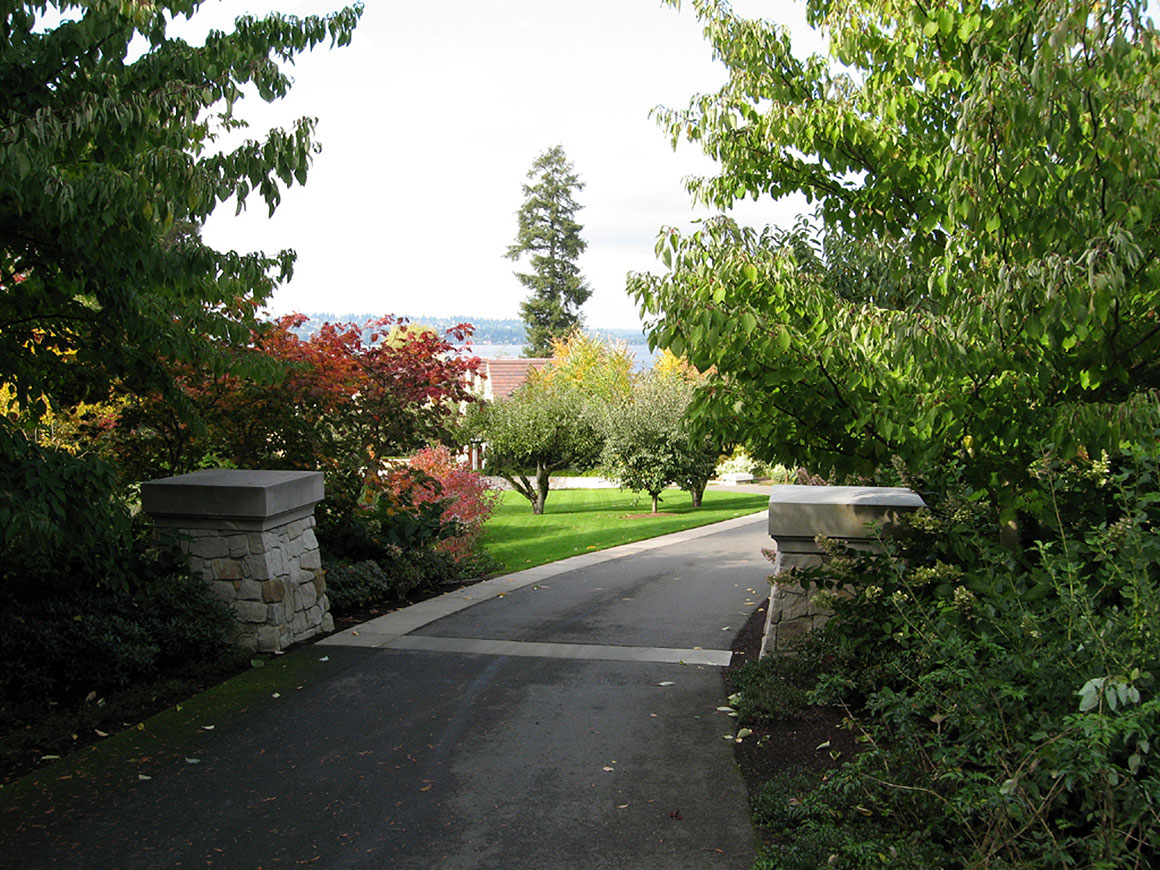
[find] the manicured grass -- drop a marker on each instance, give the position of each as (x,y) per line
(580,520)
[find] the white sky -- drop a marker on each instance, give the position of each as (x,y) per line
(429,122)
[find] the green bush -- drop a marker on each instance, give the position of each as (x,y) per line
(353,586)
(1011,695)
(771,689)
(780,687)
(814,826)
(93,638)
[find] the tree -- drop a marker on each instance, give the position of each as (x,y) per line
(1002,156)
(549,234)
(541,427)
(100,157)
(648,446)
(353,395)
(600,370)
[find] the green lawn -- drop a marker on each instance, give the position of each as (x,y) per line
(579,520)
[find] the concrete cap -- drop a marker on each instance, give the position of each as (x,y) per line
(798,514)
(232,498)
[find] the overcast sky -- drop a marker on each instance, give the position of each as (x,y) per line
(429,122)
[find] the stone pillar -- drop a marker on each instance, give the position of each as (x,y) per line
(854,515)
(250,534)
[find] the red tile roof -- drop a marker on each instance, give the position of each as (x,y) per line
(504,375)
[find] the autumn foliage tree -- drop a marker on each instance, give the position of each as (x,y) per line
(353,395)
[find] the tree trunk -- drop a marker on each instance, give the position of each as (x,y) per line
(697,493)
(656,497)
(541,489)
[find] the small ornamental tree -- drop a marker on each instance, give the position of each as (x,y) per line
(648,446)
(469,500)
(541,427)
(349,400)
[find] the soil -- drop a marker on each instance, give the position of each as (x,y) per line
(816,740)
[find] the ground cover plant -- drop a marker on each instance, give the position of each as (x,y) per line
(583,520)
(1006,702)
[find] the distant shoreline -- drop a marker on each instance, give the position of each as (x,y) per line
(488,331)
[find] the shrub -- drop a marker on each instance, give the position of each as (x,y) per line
(90,636)
(771,689)
(470,500)
(353,586)
(1011,702)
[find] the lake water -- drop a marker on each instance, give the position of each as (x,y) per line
(644,357)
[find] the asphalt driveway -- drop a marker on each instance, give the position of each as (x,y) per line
(561,717)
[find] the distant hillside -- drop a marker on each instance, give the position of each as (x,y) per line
(486,331)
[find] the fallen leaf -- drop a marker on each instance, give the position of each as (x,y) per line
(425,788)
(324,659)
(90,697)
(622,806)
(193,761)
(825,745)
(355,633)
(100,733)
(726,628)
(276,695)
(49,757)
(207,727)
(667,683)
(143,777)
(609,769)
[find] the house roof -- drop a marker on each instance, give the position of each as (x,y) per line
(505,375)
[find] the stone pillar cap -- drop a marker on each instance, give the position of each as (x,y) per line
(231,498)
(798,514)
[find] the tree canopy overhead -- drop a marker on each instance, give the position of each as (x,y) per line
(103,161)
(984,280)
(107,167)
(550,236)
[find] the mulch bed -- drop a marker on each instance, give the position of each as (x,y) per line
(790,744)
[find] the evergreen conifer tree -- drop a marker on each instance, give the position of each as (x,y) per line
(549,234)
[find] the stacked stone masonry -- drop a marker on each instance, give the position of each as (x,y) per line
(250,534)
(273,579)
(857,516)
(792,611)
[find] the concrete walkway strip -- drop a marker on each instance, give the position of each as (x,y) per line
(382,631)
(576,651)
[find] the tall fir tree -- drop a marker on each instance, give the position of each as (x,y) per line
(549,234)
